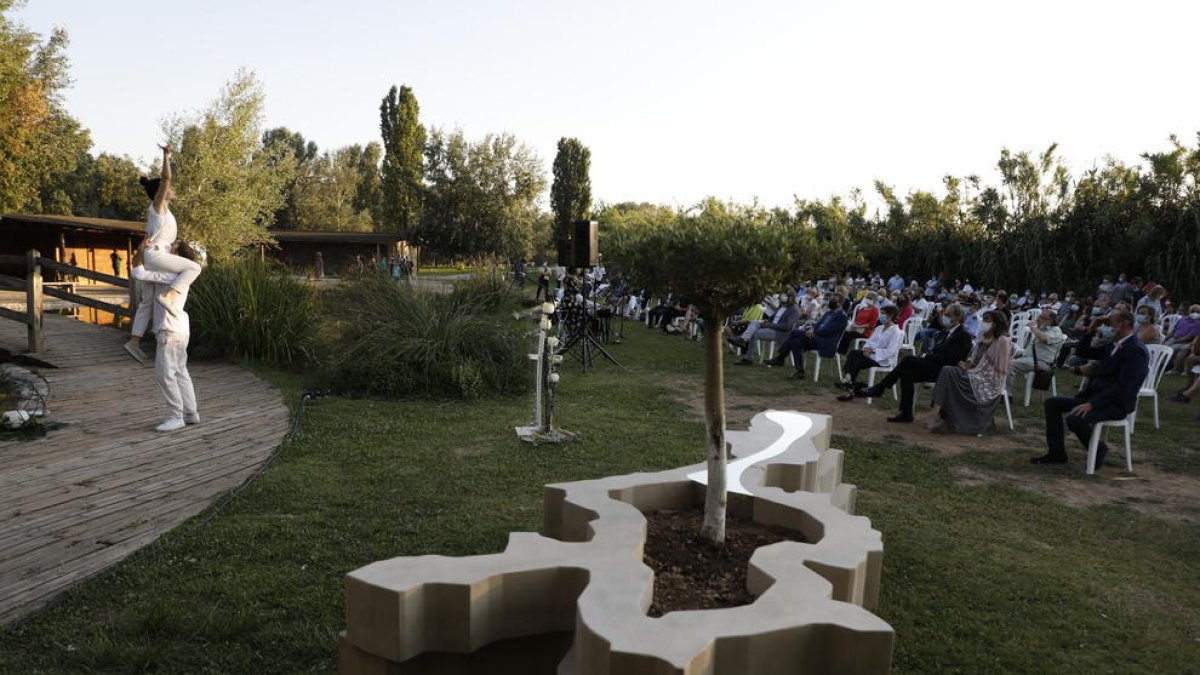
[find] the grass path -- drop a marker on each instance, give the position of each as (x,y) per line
(984,570)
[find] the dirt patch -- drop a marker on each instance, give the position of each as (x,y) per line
(1170,496)
(1153,492)
(857,419)
(692,573)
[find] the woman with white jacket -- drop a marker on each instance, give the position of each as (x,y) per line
(880,351)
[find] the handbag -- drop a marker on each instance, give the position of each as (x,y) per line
(1041,378)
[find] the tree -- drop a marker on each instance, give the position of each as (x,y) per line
(228,185)
(481,198)
(720,257)
(324,197)
(367,191)
(304,153)
(107,187)
(404,146)
(571,193)
(41,146)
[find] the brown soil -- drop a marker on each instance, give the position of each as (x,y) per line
(692,573)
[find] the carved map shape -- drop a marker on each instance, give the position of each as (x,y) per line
(586,577)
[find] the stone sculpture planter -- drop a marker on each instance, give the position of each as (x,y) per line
(573,601)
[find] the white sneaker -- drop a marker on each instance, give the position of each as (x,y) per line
(173,424)
(136,353)
(191,418)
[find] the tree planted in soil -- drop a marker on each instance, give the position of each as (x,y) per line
(720,257)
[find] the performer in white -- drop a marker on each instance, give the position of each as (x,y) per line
(173,330)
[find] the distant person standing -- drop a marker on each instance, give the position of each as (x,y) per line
(74,263)
(319,266)
(116,263)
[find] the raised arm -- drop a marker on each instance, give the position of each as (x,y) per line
(164,186)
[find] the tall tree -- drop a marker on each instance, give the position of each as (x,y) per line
(228,185)
(401,176)
(325,196)
(720,257)
(481,197)
(571,193)
(41,146)
(304,152)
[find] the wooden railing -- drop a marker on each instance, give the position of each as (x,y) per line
(36,290)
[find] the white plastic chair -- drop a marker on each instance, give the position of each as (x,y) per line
(911,328)
(1168,323)
(1160,358)
(1007,409)
(837,360)
(1098,431)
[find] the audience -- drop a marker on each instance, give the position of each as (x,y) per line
(1045,341)
(822,337)
(880,351)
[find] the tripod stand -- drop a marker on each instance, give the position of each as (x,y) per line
(577,317)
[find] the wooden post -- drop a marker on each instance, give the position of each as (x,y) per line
(33,302)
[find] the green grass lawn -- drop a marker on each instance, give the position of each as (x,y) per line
(993,575)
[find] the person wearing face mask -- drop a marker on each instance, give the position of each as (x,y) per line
(966,395)
(951,347)
(1046,338)
(1183,335)
(822,336)
(880,351)
(866,318)
(1110,394)
(1147,331)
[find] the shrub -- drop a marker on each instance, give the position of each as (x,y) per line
(404,341)
(249,309)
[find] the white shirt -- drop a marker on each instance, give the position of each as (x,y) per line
(885,343)
(163,321)
(161,230)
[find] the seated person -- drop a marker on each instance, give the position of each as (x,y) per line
(1111,391)
(904,310)
(1045,340)
(1188,394)
(952,346)
(966,395)
(866,318)
(928,335)
(822,336)
(1148,331)
(1183,336)
(879,352)
(671,307)
(735,332)
(776,329)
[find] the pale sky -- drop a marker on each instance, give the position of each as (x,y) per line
(675,99)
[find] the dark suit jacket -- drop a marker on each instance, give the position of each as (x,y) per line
(828,332)
(952,347)
(1113,387)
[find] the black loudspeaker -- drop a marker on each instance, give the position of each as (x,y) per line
(585,244)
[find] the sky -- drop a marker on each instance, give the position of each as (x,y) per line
(677,100)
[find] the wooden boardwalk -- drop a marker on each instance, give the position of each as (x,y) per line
(86,496)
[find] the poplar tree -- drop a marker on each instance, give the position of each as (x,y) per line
(401,186)
(571,193)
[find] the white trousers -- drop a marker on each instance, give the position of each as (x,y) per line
(161,261)
(145,308)
(170,368)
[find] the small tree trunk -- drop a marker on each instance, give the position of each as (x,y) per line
(714,422)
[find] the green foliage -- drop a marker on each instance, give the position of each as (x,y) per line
(571,193)
(41,145)
(249,309)
(228,185)
(402,341)
(481,198)
(720,256)
(403,145)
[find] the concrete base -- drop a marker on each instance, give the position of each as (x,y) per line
(585,577)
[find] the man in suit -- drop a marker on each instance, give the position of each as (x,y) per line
(1111,392)
(951,347)
(822,336)
(776,329)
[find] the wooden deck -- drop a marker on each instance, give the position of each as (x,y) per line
(86,496)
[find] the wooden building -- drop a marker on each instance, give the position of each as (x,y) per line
(93,241)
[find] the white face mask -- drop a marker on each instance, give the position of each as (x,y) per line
(986,326)
(1194,315)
